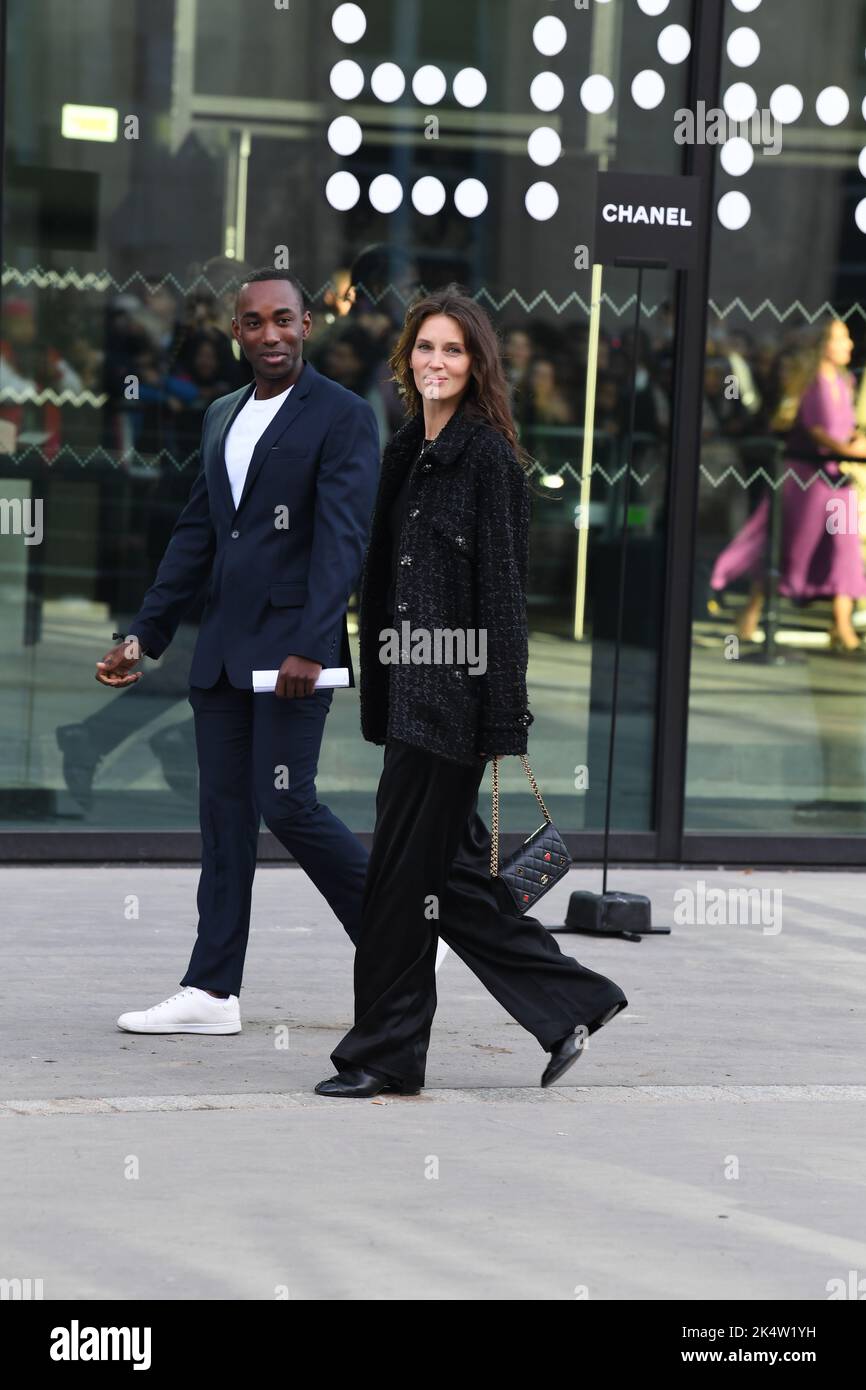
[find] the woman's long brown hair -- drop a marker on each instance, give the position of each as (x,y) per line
(487,392)
(801,370)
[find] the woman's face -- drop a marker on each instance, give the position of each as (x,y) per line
(206,362)
(343,363)
(518,349)
(839,345)
(543,377)
(440,363)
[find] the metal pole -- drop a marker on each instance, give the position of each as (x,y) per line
(587,459)
(608,796)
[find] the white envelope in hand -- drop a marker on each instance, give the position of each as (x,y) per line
(264,682)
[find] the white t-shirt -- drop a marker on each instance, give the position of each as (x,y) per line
(247,428)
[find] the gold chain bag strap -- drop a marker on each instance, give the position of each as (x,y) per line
(539,862)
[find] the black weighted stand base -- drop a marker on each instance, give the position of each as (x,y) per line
(628,915)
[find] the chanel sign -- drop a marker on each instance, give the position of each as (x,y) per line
(647,217)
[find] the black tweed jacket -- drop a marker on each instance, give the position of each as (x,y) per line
(463,565)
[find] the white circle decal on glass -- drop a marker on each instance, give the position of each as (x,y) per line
(344,135)
(470,197)
(674,43)
(544,145)
(386,193)
(786,103)
(347,79)
(861,162)
(546,91)
(388,82)
(542,200)
(653,7)
(734,210)
(831,105)
(740,101)
(342,190)
(349,23)
(429,85)
(743,47)
(745,6)
(647,89)
(596,94)
(736,156)
(428,195)
(549,35)
(860,214)
(469,87)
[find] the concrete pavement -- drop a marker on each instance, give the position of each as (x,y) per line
(707,1145)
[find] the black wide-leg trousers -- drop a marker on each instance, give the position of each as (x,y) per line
(429,876)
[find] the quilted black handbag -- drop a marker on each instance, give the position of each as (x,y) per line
(540,861)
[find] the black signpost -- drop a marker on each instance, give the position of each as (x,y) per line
(646,222)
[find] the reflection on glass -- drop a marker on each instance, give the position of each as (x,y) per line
(117,300)
(777,741)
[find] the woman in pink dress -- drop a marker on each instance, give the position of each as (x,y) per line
(820,559)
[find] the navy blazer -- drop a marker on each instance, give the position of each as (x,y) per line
(283,564)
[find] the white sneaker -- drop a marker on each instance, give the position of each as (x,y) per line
(191,1011)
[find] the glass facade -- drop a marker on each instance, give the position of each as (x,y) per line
(156,150)
(777,738)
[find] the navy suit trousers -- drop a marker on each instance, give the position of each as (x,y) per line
(257,756)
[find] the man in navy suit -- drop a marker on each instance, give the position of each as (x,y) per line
(275,526)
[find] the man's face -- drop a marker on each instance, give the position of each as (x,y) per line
(270,325)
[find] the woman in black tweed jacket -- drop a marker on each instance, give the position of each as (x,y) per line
(443,686)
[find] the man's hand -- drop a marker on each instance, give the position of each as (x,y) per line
(297,676)
(115,668)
